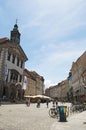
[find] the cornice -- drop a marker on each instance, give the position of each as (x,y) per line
(15,49)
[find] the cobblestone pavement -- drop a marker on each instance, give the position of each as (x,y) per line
(21,117)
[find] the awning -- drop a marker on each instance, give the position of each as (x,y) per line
(38,96)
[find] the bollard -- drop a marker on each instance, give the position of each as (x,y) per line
(62,113)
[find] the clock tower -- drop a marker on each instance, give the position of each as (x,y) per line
(15,35)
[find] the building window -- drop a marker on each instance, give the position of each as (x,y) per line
(17,61)
(20,78)
(9,56)
(13,59)
(21,64)
(14,76)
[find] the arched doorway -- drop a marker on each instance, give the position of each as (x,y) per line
(12,92)
(19,91)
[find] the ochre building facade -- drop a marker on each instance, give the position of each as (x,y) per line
(35,83)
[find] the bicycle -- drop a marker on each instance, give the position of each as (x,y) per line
(54,112)
(77,108)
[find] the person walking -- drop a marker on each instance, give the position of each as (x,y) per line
(47,103)
(28,102)
(53,103)
(56,104)
(38,103)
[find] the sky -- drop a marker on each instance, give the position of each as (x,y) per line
(53,34)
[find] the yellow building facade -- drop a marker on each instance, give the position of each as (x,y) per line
(35,83)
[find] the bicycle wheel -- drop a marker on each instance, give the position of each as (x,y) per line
(58,113)
(52,113)
(67,113)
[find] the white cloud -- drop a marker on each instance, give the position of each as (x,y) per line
(55,19)
(53,33)
(48,83)
(55,60)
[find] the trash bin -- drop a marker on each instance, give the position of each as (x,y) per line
(62,113)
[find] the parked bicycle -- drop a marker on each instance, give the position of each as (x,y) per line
(77,108)
(54,112)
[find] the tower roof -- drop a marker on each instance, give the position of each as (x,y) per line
(15,27)
(15,35)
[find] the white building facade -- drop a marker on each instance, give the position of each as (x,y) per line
(12,64)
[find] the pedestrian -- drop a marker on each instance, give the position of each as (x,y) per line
(28,102)
(47,103)
(53,103)
(38,103)
(56,104)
